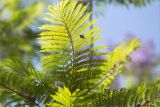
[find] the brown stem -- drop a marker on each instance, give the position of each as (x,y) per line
(29,98)
(91,17)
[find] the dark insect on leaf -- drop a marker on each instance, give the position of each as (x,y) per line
(82,36)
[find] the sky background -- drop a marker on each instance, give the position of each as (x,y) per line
(118,21)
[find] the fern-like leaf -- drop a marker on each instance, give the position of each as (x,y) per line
(70,61)
(115,61)
(69,54)
(64,98)
(140,96)
(20,83)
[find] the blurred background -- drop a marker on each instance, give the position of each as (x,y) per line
(119,21)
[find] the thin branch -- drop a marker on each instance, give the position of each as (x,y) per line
(91,17)
(29,98)
(72,49)
(105,77)
(71,41)
(146,102)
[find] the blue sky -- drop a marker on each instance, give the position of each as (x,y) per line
(117,21)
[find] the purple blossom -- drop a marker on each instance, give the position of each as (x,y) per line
(143,58)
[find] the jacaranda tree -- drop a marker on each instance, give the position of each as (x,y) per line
(73,75)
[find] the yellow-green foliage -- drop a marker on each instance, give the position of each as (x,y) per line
(19,83)
(115,60)
(69,54)
(64,98)
(71,62)
(140,96)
